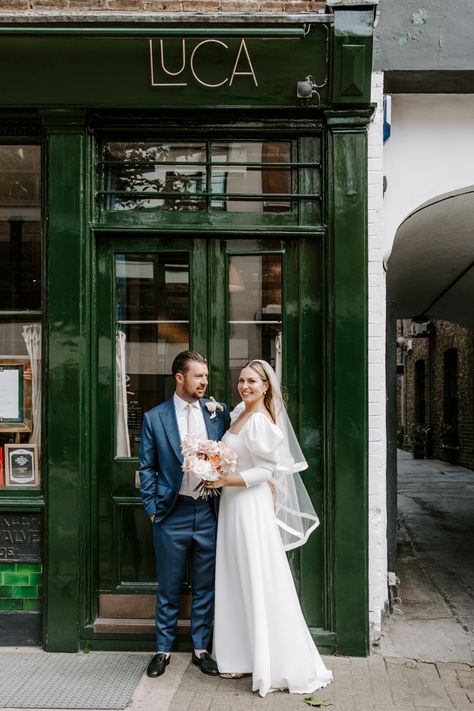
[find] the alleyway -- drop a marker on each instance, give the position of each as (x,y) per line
(434,618)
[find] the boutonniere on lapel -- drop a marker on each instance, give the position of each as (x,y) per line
(213,407)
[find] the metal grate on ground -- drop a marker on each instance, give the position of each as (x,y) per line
(98,680)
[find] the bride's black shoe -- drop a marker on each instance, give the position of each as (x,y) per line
(206,664)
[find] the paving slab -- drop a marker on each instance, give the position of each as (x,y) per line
(373,684)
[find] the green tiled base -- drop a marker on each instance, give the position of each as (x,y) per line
(32,605)
(29,567)
(15,578)
(20,587)
(10,605)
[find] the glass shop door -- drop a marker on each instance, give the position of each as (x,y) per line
(233,300)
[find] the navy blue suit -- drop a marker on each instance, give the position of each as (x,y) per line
(181,526)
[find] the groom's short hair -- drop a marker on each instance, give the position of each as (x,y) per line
(180,363)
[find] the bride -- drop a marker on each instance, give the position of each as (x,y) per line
(259,627)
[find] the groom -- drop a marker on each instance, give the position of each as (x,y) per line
(182,523)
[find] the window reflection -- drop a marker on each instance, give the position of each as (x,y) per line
(20,235)
(255,325)
(170,170)
(246,180)
(231,176)
(20,397)
(152,327)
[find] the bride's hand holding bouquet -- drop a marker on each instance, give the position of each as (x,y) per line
(209,461)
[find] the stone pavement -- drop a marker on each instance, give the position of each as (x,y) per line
(433,619)
(372,684)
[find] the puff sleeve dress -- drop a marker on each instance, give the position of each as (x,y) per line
(259,627)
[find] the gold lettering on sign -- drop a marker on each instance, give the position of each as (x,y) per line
(162,55)
(235,73)
(243,56)
(162,58)
(211,86)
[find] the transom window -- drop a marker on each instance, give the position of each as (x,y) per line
(264,176)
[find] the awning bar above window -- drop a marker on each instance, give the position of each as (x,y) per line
(155,31)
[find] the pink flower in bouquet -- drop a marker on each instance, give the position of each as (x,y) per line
(207,460)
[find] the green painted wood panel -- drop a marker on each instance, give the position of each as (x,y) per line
(67,367)
(314,571)
(346,429)
(115,71)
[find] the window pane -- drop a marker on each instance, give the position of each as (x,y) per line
(20,402)
(172,171)
(244,181)
(255,325)
(20,233)
(152,327)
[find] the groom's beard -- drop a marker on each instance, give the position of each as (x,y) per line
(196,393)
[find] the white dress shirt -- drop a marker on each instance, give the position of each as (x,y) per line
(181,408)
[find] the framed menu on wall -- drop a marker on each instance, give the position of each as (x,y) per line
(11,393)
(15,395)
(21,465)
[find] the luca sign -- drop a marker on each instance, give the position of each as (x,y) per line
(162,72)
(212,63)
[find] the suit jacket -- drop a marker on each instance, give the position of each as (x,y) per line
(160,455)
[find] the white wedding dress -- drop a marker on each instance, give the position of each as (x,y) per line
(259,626)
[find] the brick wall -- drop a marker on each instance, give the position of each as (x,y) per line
(443,336)
(190,6)
(376,355)
(20,587)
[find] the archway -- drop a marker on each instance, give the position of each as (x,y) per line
(430,285)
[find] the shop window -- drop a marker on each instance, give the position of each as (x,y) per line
(20,233)
(20,336)
(20,404)
(232,176)
(451,391)
(152,327)
(255,325)
(420,383)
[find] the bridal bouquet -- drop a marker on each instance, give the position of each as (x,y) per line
(206,460)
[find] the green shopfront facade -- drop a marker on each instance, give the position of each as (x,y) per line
(182,195)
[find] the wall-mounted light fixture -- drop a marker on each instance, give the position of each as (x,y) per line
(306,89)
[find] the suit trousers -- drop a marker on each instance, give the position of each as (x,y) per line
(189,529)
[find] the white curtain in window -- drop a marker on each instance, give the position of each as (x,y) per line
(121,405)
(278,355)
(32,336)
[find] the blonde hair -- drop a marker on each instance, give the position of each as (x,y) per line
(271,400)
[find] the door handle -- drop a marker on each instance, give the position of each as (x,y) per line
(137,479)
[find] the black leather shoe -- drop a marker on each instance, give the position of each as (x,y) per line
(206,664)
(157,665)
